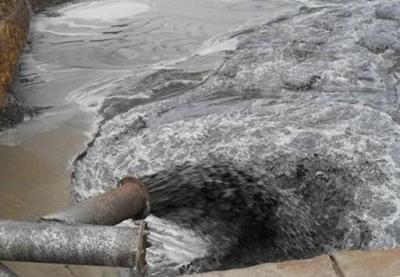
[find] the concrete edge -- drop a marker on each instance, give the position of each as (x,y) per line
(6,272)
(357,263)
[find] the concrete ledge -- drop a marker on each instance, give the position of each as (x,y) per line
(15,17)
(6,272)
(374,263)
(321,266)
(378,263)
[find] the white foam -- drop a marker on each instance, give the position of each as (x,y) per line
(90,98)
(218,46)
(105,10)
(89,18)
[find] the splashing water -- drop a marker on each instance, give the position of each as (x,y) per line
(252,213)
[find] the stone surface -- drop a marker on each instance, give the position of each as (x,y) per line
(38,5)
(14,27)
(11,113)
(379,263)
(321,266)
(6,272)
(374,263)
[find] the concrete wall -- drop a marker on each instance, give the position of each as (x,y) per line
(377,263)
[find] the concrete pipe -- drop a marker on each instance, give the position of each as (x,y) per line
(129,200)
(15,17)
(71,244)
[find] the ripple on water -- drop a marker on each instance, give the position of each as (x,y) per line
(104,10)
(89,18)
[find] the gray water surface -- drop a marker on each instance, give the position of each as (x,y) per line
(301,96)
(310,95)
(88,61)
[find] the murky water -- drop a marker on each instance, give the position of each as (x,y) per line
(83,51)
(309,98)
(295,103)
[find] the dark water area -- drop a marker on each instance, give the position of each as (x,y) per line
(253,213)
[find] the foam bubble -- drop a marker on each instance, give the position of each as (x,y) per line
(88,18)
(218,46)
(104,10)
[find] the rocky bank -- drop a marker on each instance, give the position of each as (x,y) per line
(14,27)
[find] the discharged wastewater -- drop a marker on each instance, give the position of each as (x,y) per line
(264,130)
